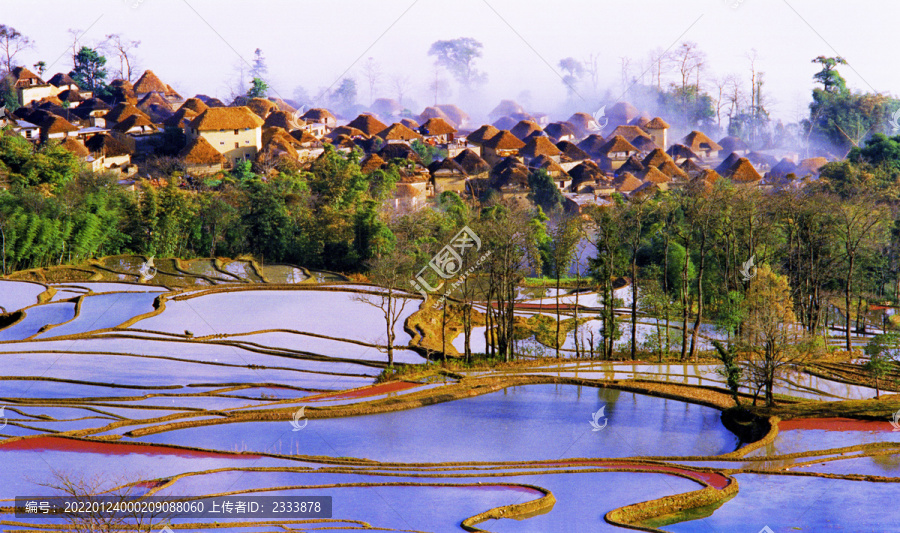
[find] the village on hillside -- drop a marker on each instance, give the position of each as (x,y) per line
(588,156)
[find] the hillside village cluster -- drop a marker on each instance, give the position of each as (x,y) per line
(629,153)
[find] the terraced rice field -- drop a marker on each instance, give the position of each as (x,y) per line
(226,377)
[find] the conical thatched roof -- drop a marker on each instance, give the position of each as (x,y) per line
(76,147)
(697,141)
(656,158)
(504,141)
(505,123)
(632,164)
(617,144)
(552,167)
(656,124)
(629,133)
(669,168)
(200,152)
(644,144)
(281,119)
(482,134)
(622,113)
(122,111)
(691,167)
(572,151)
(368,124)
(592,144)
(386,107)
(653,175)
(194,104)
(133,121)
(679,151)
(558,130)
(732,144)
(524,128)
(371,163)
(398,132)
(261,107)
(509,174)
(436,126)
(505,108)
(149,82)
(446,167)
(727,163)
(317,114)
(742,171)
(458,117)
(347,131)
(180,118)
(107,145)
(436,112)
(60,79)
(539,146)
(471,162)
(626,182)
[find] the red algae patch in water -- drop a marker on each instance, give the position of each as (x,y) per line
(110,448)
(834,424)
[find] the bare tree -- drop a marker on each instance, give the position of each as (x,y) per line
(440,86)
(389,270)
(90,490)
(661,61)
(591,66)
(401,86)
(689,60)
(123,48)
(372,73)
(12,41)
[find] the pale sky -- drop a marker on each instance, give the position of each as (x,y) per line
(194,44)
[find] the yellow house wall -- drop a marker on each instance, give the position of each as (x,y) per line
(249,142)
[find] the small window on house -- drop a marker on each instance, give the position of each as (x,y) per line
(235,132)
(247,142)
(222,143)
(237,145)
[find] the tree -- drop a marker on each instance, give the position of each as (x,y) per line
(12,41)
(258,88)
(829,77)
(258,68)
(344,96)
(563,241)
(389,270)
(883,351)
(634,220)
(857,221)
(458,56)
(544,193)
(731,370)
(372,73)
(772,337)
(90,72)
(607,239)
(123,49)
(40,67)
(400,83)
(439,86)
(573,70)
